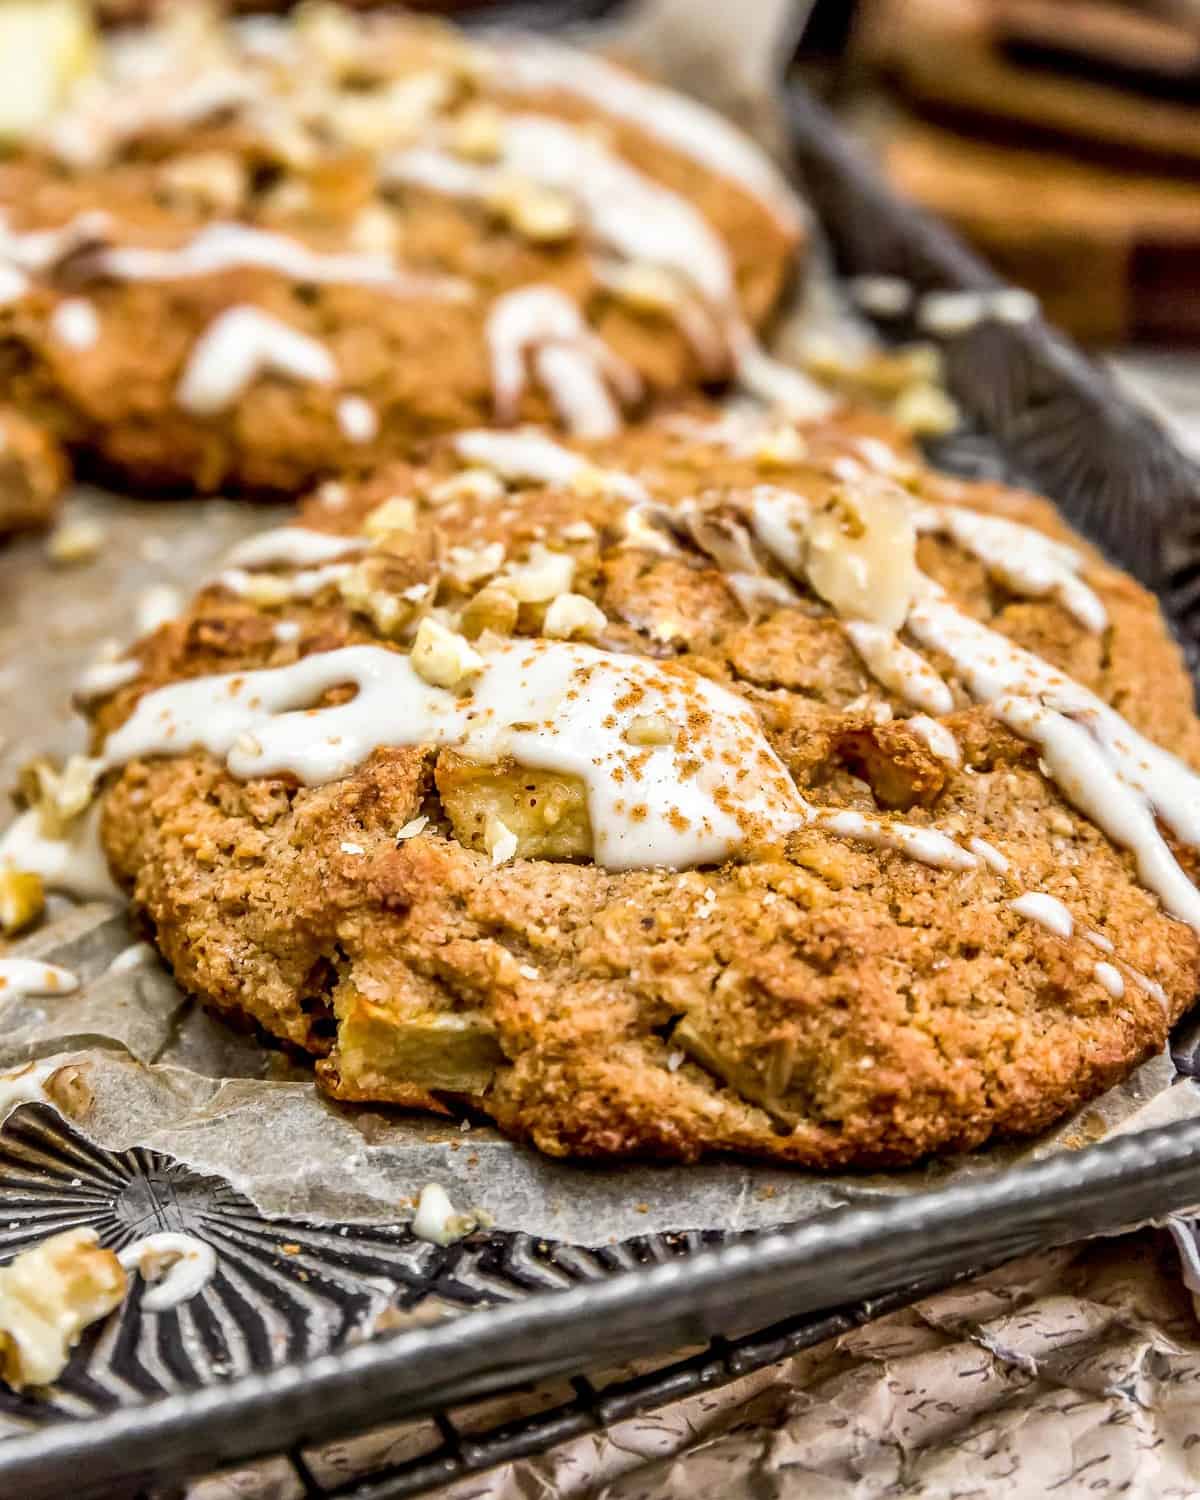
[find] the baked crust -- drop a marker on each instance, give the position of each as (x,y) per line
(818,1001)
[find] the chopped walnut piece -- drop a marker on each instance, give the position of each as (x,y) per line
(214,180)
(443,657)
(862,555)
(651,729)
(542,576)
(265,590)
(48,1296)
(22,900)
(467,565)
(158,604)
(779,447)
(76,541)
(59,794)
(500,841)
(639,530)
(645,288)
(926,411)
(492,609)
(573,614)
(478,133)
(387,613)
(471,484)
(397,514)
(375,231)
(537,213)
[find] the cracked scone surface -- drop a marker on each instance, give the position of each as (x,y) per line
(430,233)
(817,998)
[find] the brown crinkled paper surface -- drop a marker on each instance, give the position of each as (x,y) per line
(1074,1373)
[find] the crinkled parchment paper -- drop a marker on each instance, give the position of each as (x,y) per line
(1070,1374)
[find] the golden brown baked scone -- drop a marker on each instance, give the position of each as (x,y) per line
(248,254)
(718,787)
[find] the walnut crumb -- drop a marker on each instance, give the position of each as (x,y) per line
(478,133)
(48,1296)
(573,614)
(77,541)
(651,729)
(397,514)
(499,840)
(22,900)
(540,214)
(442,657)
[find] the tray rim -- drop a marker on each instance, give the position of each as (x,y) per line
(1102,1189)
(1137,1178)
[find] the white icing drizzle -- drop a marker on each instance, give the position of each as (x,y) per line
(778,518)
(629,215)
(75,323)
(1111,979)
(574,365)
(358,419)
(238,346)
(14,284)
(39,250)
(25,1085)
(30,976)
(1098,940)
(293,547)
(576,386)
(627,212)
(939,739)
(1117,778)
(529,455)
(1025,560)
(89,133)
(647,808)
(550,705)
(1151,986)
(989,854)
(898,667)
(74,864)
(136,956)
(190,1263)
(681,123)
(926,845)
(303,585)
(1047,911)
(105,677)
(226,246)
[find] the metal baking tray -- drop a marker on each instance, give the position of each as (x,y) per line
(269,1364)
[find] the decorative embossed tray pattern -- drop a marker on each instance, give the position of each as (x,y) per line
(274,1356)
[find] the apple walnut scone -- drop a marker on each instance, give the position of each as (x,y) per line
(253,253)
(719,787)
